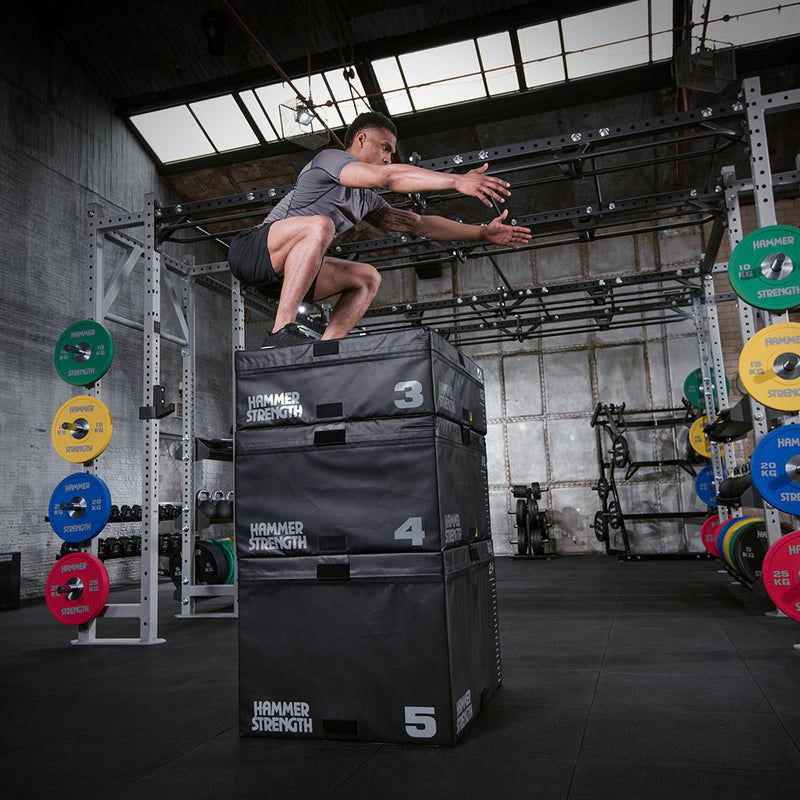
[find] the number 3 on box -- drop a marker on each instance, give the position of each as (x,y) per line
(412,394)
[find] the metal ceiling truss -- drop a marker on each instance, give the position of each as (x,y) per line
(540,311)
(523,313)
(568,153)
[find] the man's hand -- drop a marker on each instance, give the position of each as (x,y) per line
(506,235)
(476,183)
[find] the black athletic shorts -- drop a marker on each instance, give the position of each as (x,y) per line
(248,259)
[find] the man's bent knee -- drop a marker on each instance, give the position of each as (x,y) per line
(372,280)
(321,227)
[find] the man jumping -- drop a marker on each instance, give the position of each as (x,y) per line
(334,191)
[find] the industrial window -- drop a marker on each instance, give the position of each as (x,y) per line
(738,22)
(613,38)
(453,73)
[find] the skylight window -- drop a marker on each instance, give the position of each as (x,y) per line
(540,46)
(453,73)
(613,38)
(173,134)
(608,39)
(264,103)
(661,30)
(393,85)
(224,123)
(497,59)
(742,27)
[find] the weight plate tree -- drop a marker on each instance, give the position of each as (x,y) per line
(84,353)
(81,429)
(781,573)
(80,507)
(764,268)
(775,468)
(77,588)
(769,366)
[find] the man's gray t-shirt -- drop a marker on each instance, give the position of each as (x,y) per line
(318,191)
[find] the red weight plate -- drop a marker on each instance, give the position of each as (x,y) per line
(708,533)
(77,588)
(781,574)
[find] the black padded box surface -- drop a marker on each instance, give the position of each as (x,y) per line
(389,648)
(397,374)
(415,484)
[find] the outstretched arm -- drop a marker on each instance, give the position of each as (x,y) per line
(405,179)
(448,230)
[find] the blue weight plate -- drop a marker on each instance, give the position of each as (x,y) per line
(705,487)
(79,507)
(775,467)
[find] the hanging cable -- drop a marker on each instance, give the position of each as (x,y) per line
(347,71)
(277,67)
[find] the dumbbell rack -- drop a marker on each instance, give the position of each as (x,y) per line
(615,420)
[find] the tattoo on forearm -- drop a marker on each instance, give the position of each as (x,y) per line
(395,219)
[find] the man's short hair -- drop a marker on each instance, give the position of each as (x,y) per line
(369,119)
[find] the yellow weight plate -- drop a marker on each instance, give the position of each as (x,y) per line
(698,439)
(769,366)
(81,429)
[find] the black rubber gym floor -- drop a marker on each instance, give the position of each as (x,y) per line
(646,680)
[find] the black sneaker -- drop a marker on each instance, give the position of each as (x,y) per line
(288,334)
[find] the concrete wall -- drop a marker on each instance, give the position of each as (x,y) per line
(541,393)
(62,148)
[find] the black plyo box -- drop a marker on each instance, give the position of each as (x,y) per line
(415,484)
(389,648)
(399,374)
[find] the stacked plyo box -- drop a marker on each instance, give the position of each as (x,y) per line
(367,601)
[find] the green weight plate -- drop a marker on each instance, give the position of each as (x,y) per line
(693,389)
(764,269)
(84,353)
(226,546)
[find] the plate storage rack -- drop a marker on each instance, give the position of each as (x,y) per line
(367,600)
(170,284)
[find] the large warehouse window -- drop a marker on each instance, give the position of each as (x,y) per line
(569,48)
(453,73)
